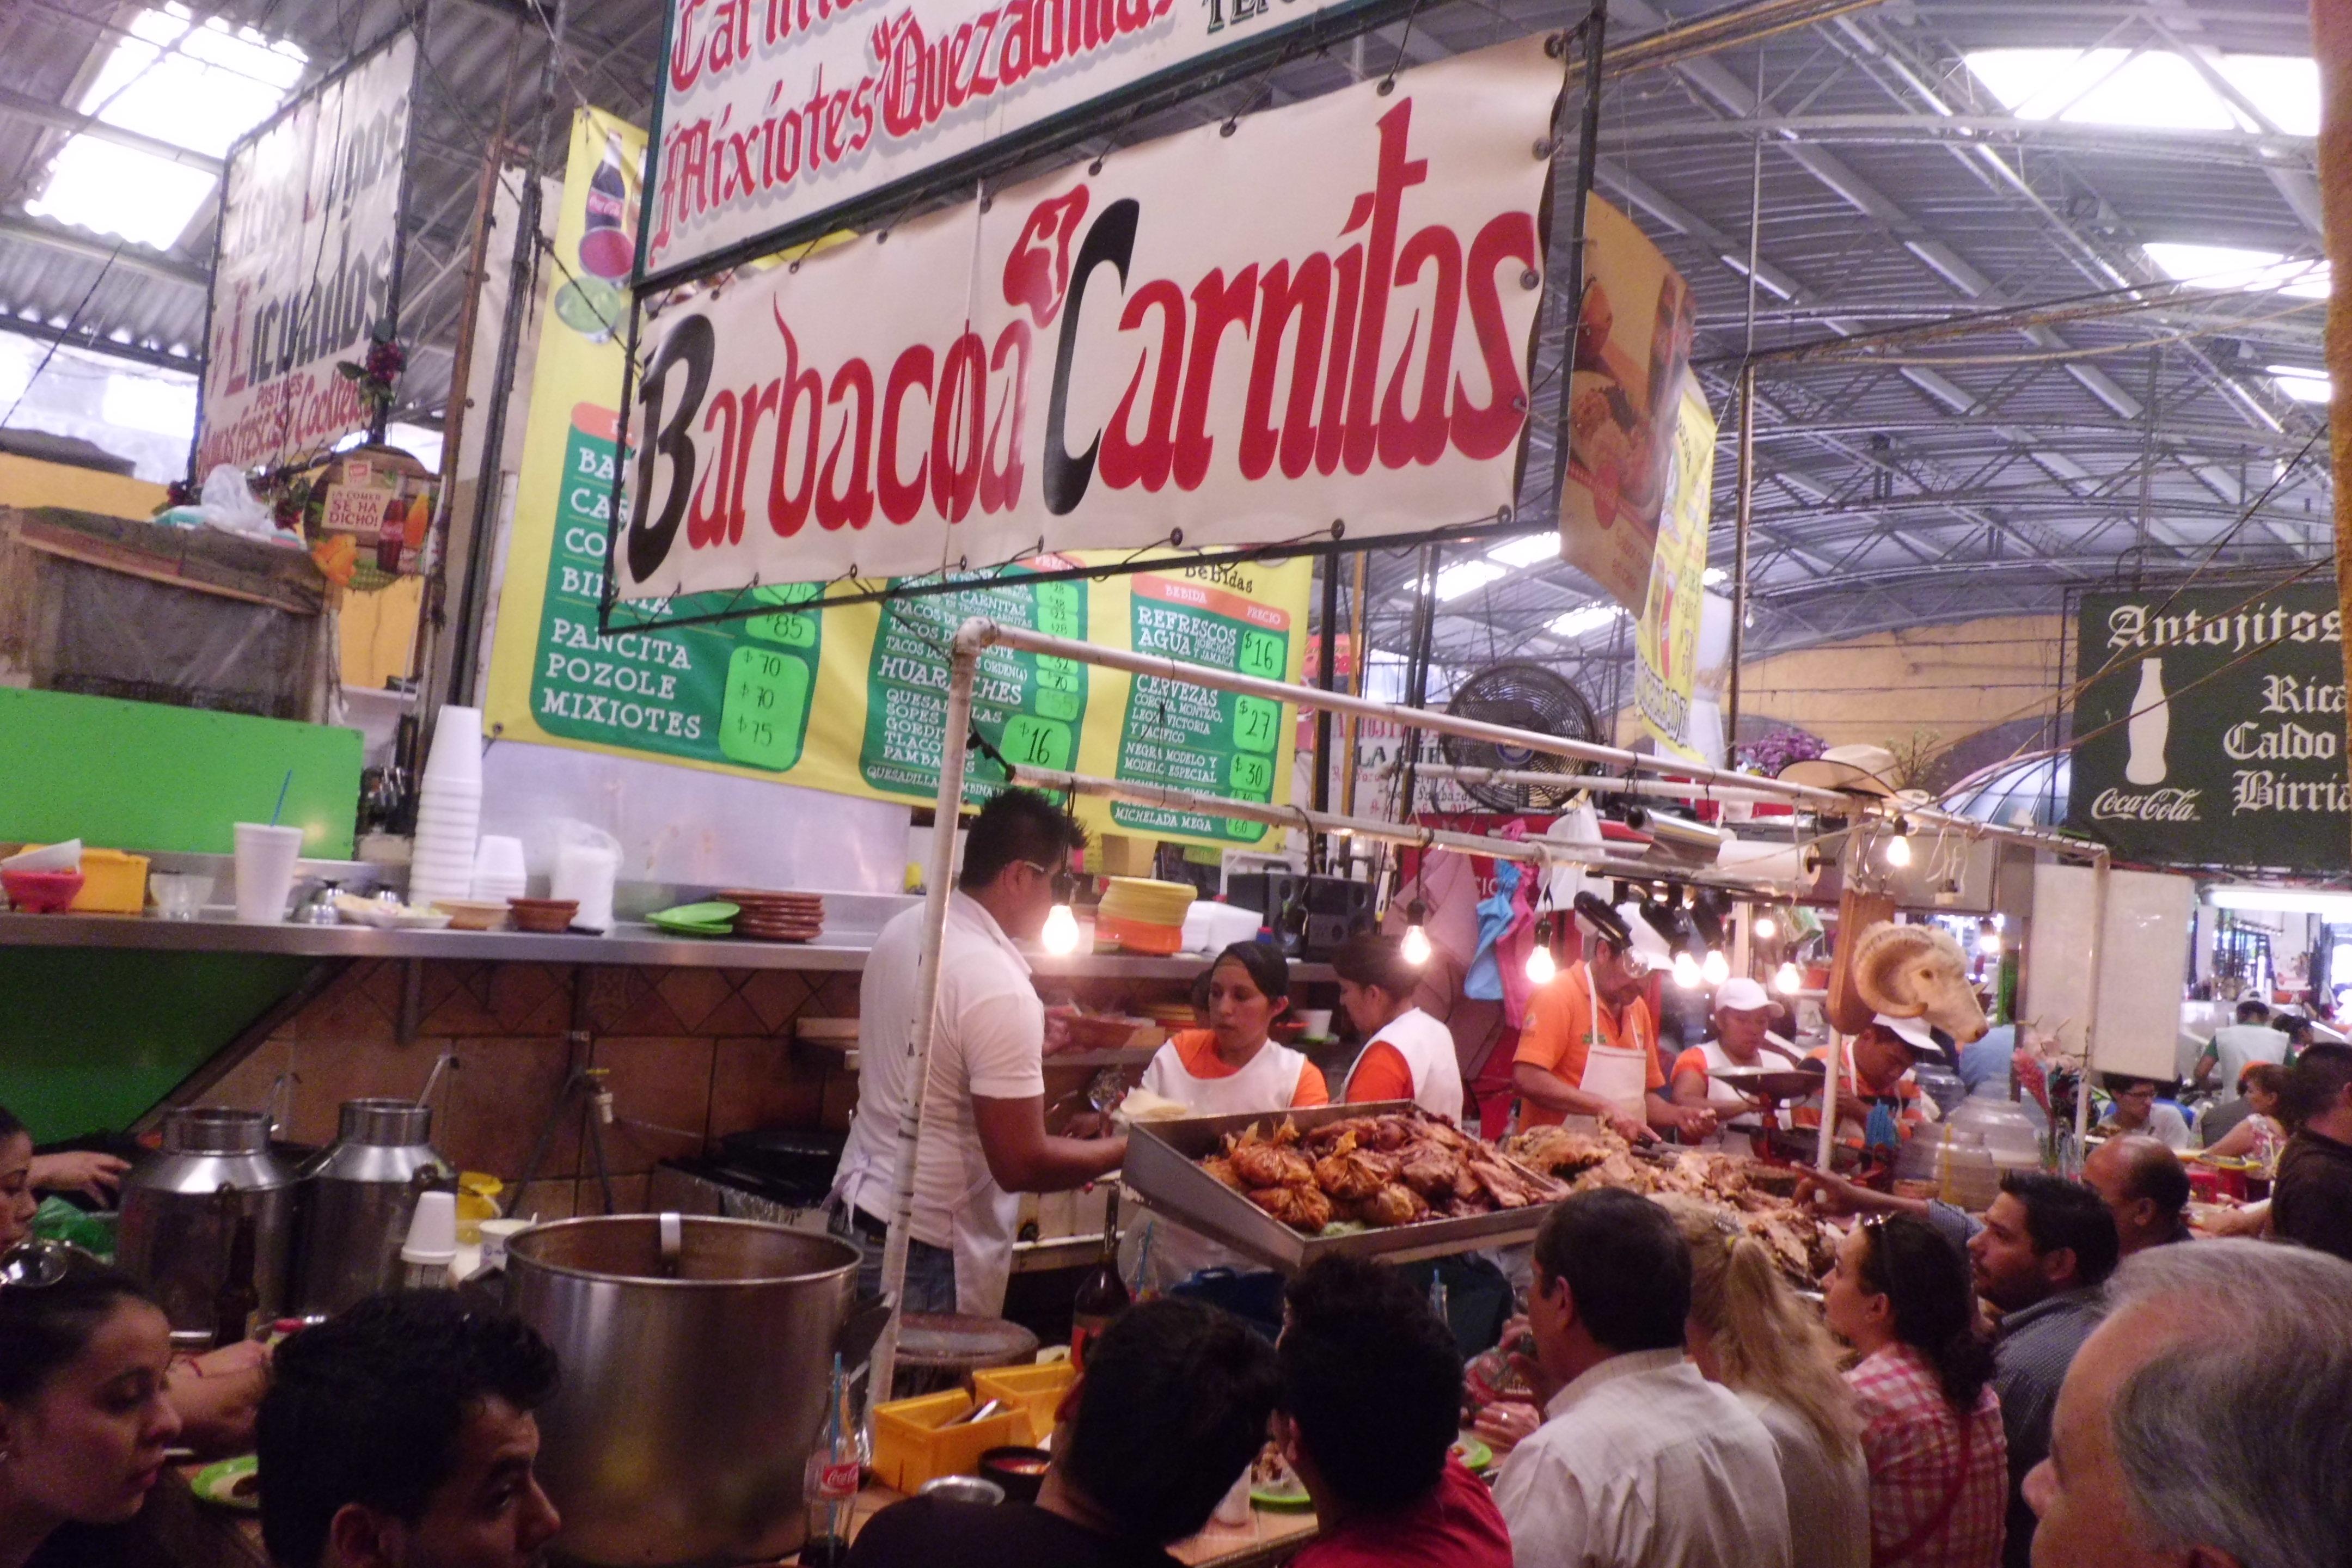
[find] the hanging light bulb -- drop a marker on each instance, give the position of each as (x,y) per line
(1987,940)
(1764,928)
(1541,966)
(1415,948)
(1898,848)
(1686,971)
(1714,968)
(1786,980)
(1060,933)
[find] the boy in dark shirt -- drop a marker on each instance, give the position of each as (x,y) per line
(2311,1201)
(1172,1406)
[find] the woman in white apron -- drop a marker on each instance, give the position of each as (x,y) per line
(1230,1068)
(1407,1054)
(1742,1042)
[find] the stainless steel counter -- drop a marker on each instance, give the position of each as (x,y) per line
(628,943)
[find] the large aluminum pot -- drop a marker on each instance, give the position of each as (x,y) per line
(361,1193)
(180,1211)
(693,1386)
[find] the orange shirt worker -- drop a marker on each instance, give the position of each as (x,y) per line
(1590,1046)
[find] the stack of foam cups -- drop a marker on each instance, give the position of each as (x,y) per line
(448,810)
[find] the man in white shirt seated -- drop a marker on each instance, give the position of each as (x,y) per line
(1641,1462)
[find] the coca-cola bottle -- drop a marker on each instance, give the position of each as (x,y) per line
(829,1481)
(605,249)
(2149,728)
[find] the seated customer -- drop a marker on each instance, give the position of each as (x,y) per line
(2176,1443)
(1371,1402)
(2144,1188)
(2255,1132)
(400,1435)
(84,1420)
(1172,1406)
(213,1394)
(2137,1109)
(1641,1461)
(2311,1200)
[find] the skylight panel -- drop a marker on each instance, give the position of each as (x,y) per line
(1465,576)
(1716,574)
(2285,88)
(1586,619)
(1535,550)
(196,85)
(2154,89)
(2301,383)
(2233,268)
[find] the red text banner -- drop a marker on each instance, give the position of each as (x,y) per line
(1316,317)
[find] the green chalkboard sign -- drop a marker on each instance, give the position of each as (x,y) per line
(2213,731)
(1217,742)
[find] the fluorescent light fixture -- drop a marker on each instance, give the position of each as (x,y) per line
(1535,550)
(196,85)
(1465,576)
(1588,618)
(2286,900)
(2154,89)
(2228,266)
(2304,385)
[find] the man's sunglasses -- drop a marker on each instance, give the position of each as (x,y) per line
(1065,882)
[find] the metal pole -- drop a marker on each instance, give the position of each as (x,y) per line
(1416,679)
(962,668)
(1825,1156)
(1359,656)
(1747,451)
(2099,867)
(1326,677)
(1655,789)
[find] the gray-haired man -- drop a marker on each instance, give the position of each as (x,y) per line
(2203,1424)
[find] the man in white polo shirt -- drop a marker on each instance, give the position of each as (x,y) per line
(984,1137)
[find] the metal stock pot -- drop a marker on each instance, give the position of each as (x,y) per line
(695,1357)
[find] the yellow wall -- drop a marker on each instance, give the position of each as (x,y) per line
(1950,680)
(28,482)
(380,633)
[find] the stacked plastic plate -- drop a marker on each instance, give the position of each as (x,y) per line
(1144,916)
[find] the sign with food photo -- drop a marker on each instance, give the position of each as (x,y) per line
(1633,346)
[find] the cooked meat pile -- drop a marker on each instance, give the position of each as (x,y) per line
(1757,1197)
(1374,1170)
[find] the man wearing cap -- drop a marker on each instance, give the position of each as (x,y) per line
(1878,1101)
(1741,1040)
(1590,1046)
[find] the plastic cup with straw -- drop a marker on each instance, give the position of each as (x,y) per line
(266,854)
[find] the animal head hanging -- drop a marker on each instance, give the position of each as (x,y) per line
(1918,972)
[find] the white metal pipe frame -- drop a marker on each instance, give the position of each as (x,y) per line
(978,633)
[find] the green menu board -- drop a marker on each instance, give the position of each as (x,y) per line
(737,693)
(1029,707)
(1217,742)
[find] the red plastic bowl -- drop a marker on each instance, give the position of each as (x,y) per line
(40,893)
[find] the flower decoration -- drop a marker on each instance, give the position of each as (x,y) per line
(1777,749)
(379,373)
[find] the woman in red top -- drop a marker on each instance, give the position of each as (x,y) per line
(1931,1421)
(1370,1406)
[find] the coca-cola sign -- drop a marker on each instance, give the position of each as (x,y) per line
(2214,730)
(1315,319)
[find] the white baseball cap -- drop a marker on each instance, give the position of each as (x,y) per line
(1912,1031)
(1740,995)
(1649,948)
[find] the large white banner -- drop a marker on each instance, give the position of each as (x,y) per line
(773,112)
(308,264)
(1241,335)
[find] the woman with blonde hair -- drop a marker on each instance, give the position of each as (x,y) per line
(1748,1331)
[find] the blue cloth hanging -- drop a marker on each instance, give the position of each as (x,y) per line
(1882,1131)
(1485,980)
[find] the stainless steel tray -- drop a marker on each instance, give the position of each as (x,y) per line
(1161,1172)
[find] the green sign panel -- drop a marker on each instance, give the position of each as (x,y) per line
(2215,727)
(1028,706)
(1217,742)
(731,693)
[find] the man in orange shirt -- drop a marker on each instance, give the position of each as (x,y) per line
(1590,1046)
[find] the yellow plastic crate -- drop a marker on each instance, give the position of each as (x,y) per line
(914,1444)
(1036,1391)
(112,883)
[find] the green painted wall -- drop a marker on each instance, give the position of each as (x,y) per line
(147,777)
(90,1038)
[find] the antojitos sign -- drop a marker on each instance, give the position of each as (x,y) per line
(2216,729)
(1245,334)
